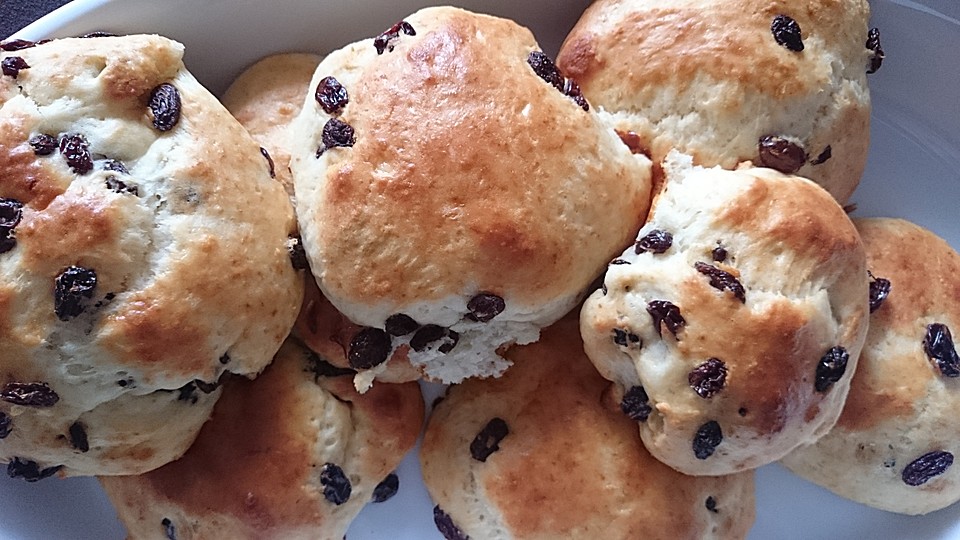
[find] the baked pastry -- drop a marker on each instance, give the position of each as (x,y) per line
(144,254)
(733,325)
(455,193)
(779,83)
(542,453)
(265,98)
(894,445)
(296,453)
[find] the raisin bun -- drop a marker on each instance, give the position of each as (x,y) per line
(455,193)
(552,437)
(296,453)
(894,445)
(144,255)
(778,82)
(732,327)
(265,98)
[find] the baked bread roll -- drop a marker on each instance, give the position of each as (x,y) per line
(894,445)
(733,326)
(455,193)
(780,83)
(542,453)
(144,255)
(296,453)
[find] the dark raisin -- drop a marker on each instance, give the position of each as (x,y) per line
(617,262)
(707,439)
(266,155)
(780,154)
(387,488)
(32,394)
(43,144)
(119,186)
(30,470)
(206,387)
(655,241)
(12,65)
(787,33)
(879,290)
(11,212)
(370,347)
(225,359)
(336,134)
(938,344)
(384,42)
(873,43)
(188,392)
(431,333)
(115,166)
(168,529)
(331,95)
(6,425)
(572,90)
(488,440)
(544,67)
(711,505)
(401,325)
(719,253)
(165,106)
(925,467)
(636,404)
(826,154)
(124,383)
(16,45)
(485,306)
(708,378)
(76,151)
(321,368)
(78,437)
(665,313)
(446,526)
(298,257)
(742,411)
(624,338)
(73,286)
(336,485)
(721,280)
(831,368)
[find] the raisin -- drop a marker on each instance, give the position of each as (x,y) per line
(115,166)
(5,425)
(707,439)
(719,253)
(321,368)
(165,106)
(544,67)
(617,262)
(572,90)
(665,313)
(925,467)
(168,529)
(29,470)
(636,404)
(73,286)
(633,142)
(370,347)
(206,387)
(938,344)
(401,325)
(331,95)
(43,144)
(786,32)
(711,505)
(484,307)
(879,290)
(655,241)
(76,151)
(11,212)
(119,186)
(188,392)
(721,280)
(431,333)
(822,158)
(446,526)
(780,154)
(336,485)
(624,338)
(298,257)
(33,394)
(12,65)
(336,133)
(488,440)
(78,437)
(873,43)
(17,45)
(831,368)
(387,488)
(266,155)
(384,42)
(708,378)
(225,359)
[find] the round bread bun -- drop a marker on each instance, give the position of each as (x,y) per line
(570,464)
(296,453)
(144,255)
(894,445)
(265,99)
(732,341)
(442,182)
(711,79)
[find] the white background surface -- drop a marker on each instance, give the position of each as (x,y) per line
(913,172)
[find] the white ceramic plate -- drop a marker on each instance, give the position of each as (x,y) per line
(913,172)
